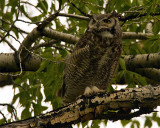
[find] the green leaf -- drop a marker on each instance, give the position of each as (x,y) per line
(9,109)
(2,121)
(63,52)
(38,109)
(36,18)
(95,124)
(122,64)
(13,3)
(16,32)
(25,113)
(22,11)
(135,122)
(148,123)
(2,4)
(142,81)
(125,122)
(156,27)
(84,124)
(43,5)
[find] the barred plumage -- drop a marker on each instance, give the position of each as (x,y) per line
(94,58)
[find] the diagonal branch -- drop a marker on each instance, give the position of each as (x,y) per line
(69,38)
(74,16)
(137,15)
(9,44)
(12,23)
(50,18)
(97,106)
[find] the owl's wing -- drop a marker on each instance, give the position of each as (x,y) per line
(76,64)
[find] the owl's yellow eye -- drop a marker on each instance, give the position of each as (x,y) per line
(107,21)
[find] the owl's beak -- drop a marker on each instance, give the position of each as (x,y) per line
(98,24)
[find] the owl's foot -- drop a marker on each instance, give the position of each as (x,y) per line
(92,90)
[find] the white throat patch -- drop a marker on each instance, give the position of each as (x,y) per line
(105,34)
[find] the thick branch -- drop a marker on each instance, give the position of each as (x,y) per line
(27,42)
(93,107)
(134,35)
(142,61)
(5,80)
(9,63)
(69,38)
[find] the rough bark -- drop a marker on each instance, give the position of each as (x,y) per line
(53,34)
(94,106)
(134,35)
(143,61)
(9,62)
(141,64)
(27,42)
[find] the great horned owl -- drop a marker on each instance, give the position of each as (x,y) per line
(94,58)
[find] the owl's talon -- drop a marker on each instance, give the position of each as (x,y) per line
(93,90)
(87,91)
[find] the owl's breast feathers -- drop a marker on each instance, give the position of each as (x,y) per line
(92,63)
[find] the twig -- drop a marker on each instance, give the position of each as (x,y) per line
(10,35)
(50,18)
(47,43)
(74,16)
(12,107)
(83,13)
(28,22)
(14,26)
(10,45)
(12,23)
(3,117)
(95,5)
(133,16)
(108,6)
(26,2)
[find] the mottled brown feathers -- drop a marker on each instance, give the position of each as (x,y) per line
(94,58)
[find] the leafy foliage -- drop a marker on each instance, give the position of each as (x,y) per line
(35,88)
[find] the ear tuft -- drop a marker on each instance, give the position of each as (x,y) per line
(114,13)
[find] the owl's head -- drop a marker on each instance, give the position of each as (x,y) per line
(105,25)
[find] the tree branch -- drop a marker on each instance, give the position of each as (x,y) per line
(137,15)
(9,63)
(9,44)
(150,73)
(134,35)
(74,16)
(94,106)
(48,43)
(45,22)
(27,42)
(69,38)
(12,23)
(142,61)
